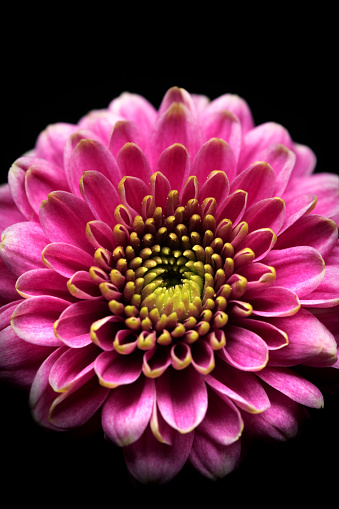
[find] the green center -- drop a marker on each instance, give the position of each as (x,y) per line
(173,280)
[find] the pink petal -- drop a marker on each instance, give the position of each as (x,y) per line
(175,125)
(125,131)
(279,422)
(213,460)
(136,108)
(257,180)
(241,387)
(174,164)
(114,369)
(297,207)
(98,124)
(21,246)
(104,330)
(257,274)
(282,161)
(151,461)
(306,336)
(202,357)
(222,422)
(73,325)
(216,186)
(244,349)
(90,155)
(76,406)
(132,161)
(40,180)
(327,293)
(268,213)
(306,161)
(273,337)
(66,258)
(9,212)
(100,195)
(8,291)
(71,366)
(300,269)
(127,411)
(225,125)
(259,138)
(100,234)
(312,230)
(273,301)
(176,95)
(214,155)
(132,191)
(63,218)
(234,104)
(233,207)
(41,394)
(51,142)
(293,385)
(260,241)
(182,409)
(42,282)
(16,182)
(34,318)
(159,188)
(82,286)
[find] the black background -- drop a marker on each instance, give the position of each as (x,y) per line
(297,89)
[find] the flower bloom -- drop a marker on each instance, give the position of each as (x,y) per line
(169,269)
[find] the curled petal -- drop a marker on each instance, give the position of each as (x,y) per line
(42,282)
(65,258)
(114,369)
(244,349)
(273,301)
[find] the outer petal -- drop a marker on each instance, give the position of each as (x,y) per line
(40,180)
(114,369)
(182,409)
(234,104)
(63,218)
(127,411)
(33,319)
(9,213)
(213,460)
(258,180)
(224,124)
(51,142)
(21,246)
(132,161)
(136,108)
(282,161)
(66,259)
(293,385)
(244,349)
(100,195)
(268,213)
(42,282)
(214,155)
(174,163)
(151,461)
(273,301)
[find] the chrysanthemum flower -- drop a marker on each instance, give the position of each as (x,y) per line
(169,270)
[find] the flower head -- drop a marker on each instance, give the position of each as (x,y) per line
(169,270)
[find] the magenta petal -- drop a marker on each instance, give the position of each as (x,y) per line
(273,301)
(306,161)
(234,104)
(268,213)
(66,259)
(76,406)
(306,336)
(40,180)
(100,234)
(51,142)
(132,191)
(151,461)
(175,125)
(260,242)
(127,411)
(100,195)
(279,422)
(136,108)
(41,394)
(256,140)
(71,366)
(214,155)
(132,161)
(182,409)
(225,125)
(21,246)
(8,292)
(42,282)
(34,318)
(311,230)
(244,349)
(90,155)
(174,164)
(114,369)
(293,385)
(300,269)
(9,212)
(282,161)
(233,207)
(216,186)
(274,338)
(213,460)
(125,131)
(222,422)
(63,218)
(241,387)
(159,188)
(257,180)
(82,286)
(73,325)
(16,182)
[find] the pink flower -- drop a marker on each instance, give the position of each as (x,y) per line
(170,270)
